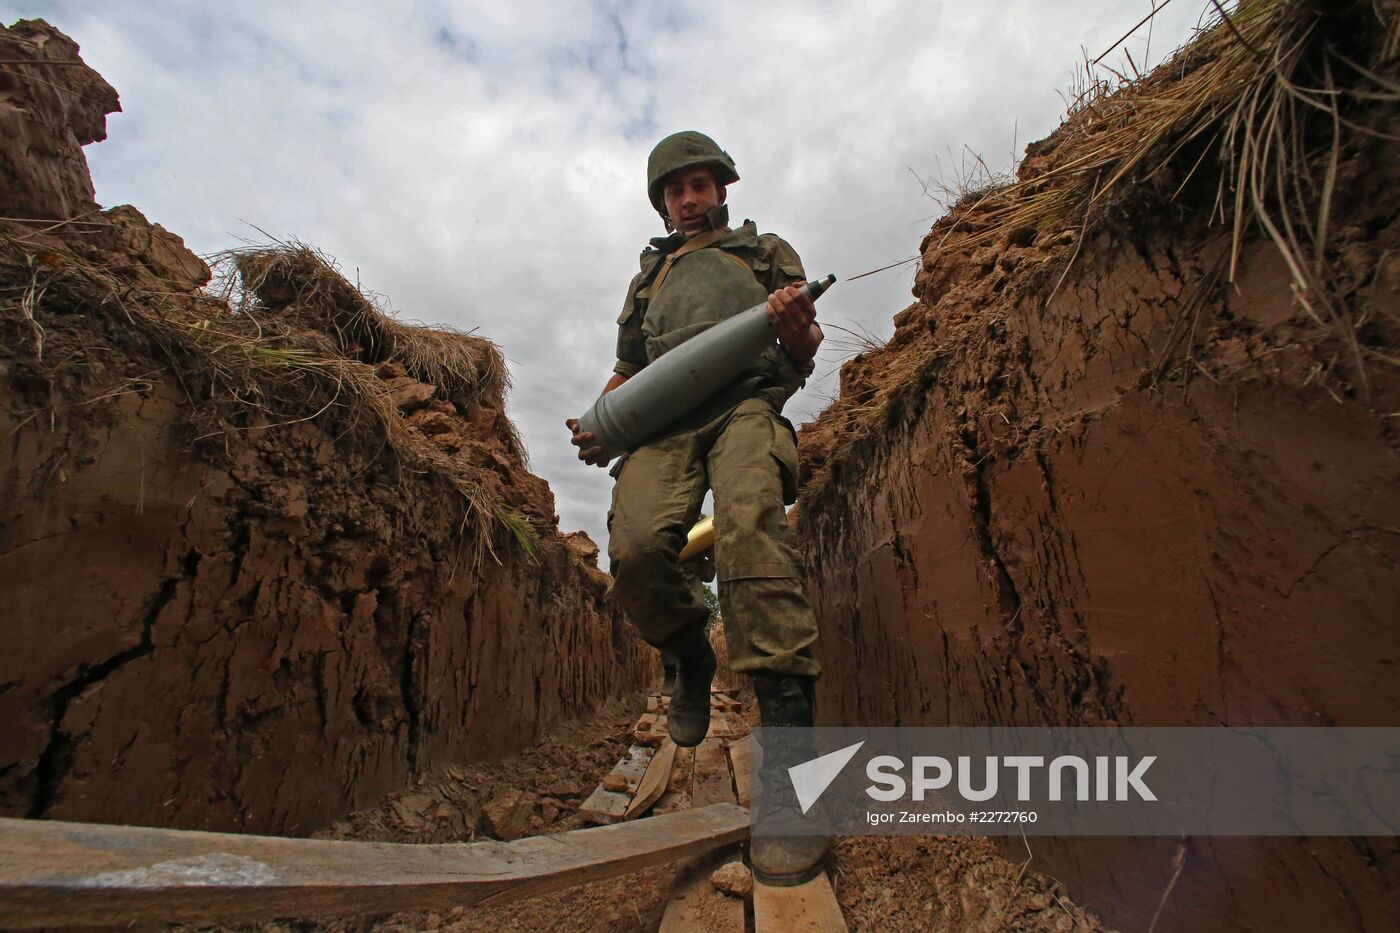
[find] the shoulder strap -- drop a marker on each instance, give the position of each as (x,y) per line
(690,246)
(744,263)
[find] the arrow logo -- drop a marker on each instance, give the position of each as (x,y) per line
(811,778)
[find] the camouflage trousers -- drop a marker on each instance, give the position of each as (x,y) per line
(748,456)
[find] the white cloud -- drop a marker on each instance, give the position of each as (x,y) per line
(482,164)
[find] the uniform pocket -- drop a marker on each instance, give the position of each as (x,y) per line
(789,272)
(631,345)
(785,452)
(753,471)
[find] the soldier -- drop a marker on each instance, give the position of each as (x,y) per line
(738,444)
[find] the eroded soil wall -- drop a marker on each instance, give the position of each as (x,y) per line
(1142,501)
(268,644)
(236,605)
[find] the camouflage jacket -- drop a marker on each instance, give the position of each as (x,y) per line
(700,289)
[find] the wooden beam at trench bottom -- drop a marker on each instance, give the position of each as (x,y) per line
(67,874)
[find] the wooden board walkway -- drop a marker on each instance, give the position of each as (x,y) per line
(694,906)
(712,781)
(726,726)
(66,874)
(654,782)
(74,874)
(805,908)
(739,764)
(720,774)
(727,704)
(608,804)
(677,795)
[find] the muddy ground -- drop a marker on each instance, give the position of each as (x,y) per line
(894,884)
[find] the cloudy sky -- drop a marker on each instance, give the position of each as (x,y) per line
(482,164)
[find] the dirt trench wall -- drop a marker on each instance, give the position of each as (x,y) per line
(1144,502)
(268,644)
(219,619)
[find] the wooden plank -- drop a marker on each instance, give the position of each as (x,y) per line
(76,874)
(726,726)
(739,764)
(712,783)
(653,703)
(696,907)
(654,735)
(805,908)
(682,770)
(677,796)
(650,729)
(654,782)
(672,801)
(609,806)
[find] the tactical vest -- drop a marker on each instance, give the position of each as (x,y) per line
(692,286)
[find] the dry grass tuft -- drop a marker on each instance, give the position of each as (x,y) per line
(299,285)
(1244,128)
(290,340)
(304,287)
(1246,102)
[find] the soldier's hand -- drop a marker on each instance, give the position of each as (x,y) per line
(588,450)
(793,316)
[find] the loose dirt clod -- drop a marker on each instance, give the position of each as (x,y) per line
(507,817)
(734,879)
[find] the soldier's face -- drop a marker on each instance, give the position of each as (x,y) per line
(690,194)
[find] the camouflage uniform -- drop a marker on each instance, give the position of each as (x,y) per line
(738,443)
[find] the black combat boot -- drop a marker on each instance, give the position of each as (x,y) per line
(668,677)
(688,719)
(784,702)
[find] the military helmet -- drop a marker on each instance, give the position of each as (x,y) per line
(686,149)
